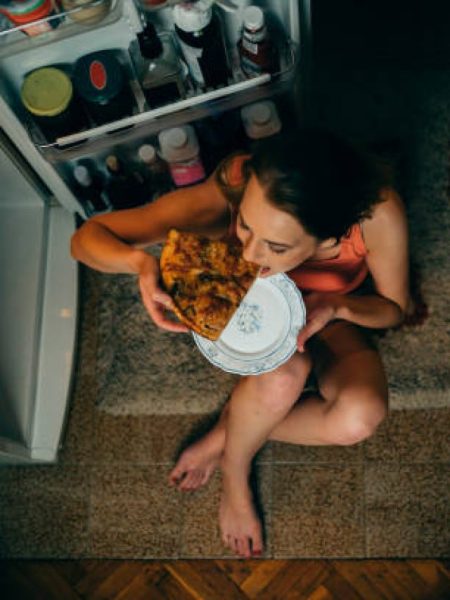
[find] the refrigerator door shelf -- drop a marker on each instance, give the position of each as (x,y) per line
(64,24)
(242,91)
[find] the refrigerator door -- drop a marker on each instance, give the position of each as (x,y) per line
(38,299)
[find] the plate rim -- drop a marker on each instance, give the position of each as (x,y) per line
(280,280)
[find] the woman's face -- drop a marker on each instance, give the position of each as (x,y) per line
(272,238)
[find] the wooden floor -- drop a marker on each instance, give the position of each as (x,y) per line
(225,580)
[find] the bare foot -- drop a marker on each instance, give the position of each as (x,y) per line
(240,526)
(199,461)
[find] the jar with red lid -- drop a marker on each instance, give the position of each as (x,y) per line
(100,80)
(31,15)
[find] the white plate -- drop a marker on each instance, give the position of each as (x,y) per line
(262,334)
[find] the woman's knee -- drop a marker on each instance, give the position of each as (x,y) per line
(282,387)
(356,415)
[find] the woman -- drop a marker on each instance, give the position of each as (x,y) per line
(311,206)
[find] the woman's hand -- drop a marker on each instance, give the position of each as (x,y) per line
(156,301)
(321,308)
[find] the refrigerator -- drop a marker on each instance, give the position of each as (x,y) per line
(40,203)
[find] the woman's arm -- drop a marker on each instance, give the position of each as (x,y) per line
(386,239)
(113,242)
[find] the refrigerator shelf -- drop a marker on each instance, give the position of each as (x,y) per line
(62,24)
(241,91)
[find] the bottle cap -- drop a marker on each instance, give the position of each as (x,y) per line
(260,119)
(149,42)
(147,153)
(193,17)
(98,77)
(178,144)
(46,92)
(112,163)
(253,18)
(82,175)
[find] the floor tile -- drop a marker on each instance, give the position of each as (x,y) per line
(134,513)
(407,510)
(317,511)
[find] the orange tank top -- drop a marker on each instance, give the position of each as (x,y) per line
(340,275)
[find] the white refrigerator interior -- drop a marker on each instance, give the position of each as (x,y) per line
(38,279)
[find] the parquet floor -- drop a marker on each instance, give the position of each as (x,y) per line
(225,580)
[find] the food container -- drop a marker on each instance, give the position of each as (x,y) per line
(47,94)
(93,11)
(100,80)
(26,14)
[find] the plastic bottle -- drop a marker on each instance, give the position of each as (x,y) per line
(125,189)
(257,51)
(260,119)
(100,80)
(180,149)
(160,71)
(156,171)
(200,37)
(91,189)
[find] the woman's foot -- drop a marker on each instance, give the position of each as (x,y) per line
(199,461)
(240,526)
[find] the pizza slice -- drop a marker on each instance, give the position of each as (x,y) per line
(207,280)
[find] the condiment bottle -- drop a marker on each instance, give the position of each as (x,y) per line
(179,147)
(200,38)
(93,12)
(47,94)
(125,189)
(91,189)
(156,171)
(100,80)
(257,51)
(160,72)
(260,119)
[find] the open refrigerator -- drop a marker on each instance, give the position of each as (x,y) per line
(40,203)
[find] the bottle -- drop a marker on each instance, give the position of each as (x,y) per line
(160,72)
(200,38)
(90,185)
(180,149)
(257,52)
(100,80)
(156,171)
(48,95)
(125,189)
(260,119)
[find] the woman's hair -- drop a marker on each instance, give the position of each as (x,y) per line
(323,181)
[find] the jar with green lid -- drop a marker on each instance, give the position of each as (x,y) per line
(47,94)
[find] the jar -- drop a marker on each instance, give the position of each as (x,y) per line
(94,12)
(26,12)
(47,94)
(179,148)
(100,81)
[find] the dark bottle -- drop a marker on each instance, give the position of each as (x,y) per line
(200,37)
(90,188)
(257,51)
(160,72)
(100,80)
(125,189)
(155,170)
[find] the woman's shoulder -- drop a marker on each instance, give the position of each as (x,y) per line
(387,220)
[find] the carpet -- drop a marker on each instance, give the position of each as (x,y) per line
(143,370)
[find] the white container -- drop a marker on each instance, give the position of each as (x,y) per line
(179,148)
(260,119)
